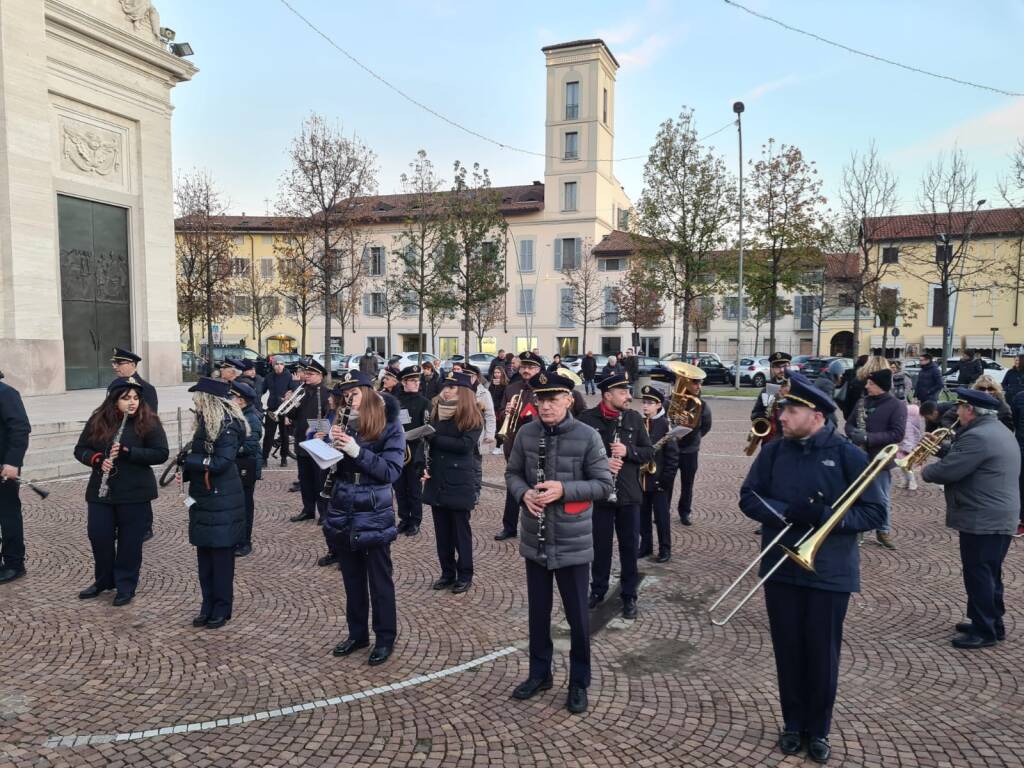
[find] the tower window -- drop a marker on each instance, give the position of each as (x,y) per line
(572,100)
(572,145)
(570,196)
(604,110)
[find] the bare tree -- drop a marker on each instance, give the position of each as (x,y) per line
(297,277)
(687,204)
(1011,189)
(486,316)
(891,307)
(261,292)
(586,303)
(203,251)
(638,298)
(440,307)
(394,299)
(329,174)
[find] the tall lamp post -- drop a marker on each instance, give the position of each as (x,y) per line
(737,107)
(993,347)
(947,348)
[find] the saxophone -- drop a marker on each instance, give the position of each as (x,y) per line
(104,490)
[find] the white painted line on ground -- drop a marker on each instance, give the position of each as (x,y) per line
(206,725)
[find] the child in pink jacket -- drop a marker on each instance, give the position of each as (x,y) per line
(915,429)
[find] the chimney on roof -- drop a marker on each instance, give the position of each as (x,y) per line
(536,183)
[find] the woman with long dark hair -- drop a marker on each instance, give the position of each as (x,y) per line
(216,500)
(453,479)
(121,442)
(360,521)
(499,380)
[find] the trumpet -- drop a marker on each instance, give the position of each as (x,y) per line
(511,423)
(760,428)
(289,404)
(928,446)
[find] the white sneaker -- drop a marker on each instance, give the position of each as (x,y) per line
(497,452)
(913,484)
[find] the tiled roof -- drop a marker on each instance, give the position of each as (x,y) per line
(616,243)
(516,200)
(246,223)
(925,226)
(842,265)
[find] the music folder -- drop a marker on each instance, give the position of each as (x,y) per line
(322,453)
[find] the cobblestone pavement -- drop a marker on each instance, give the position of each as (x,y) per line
(668,689)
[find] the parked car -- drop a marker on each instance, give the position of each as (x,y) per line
(753,370)
(717,372)
(992,368)
(405,359)
(816,366)
(686,357)
(240,353)
(192,362)
(797,363)
(285,357)
(575,362)
(336,366)
(351,363)
(481,360)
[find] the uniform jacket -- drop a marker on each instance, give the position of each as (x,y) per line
(516,386)
(148,394)
(455,467)
(638,449)
(666,459)
(14,427)
(787,471)
(979,476)
(414,412)
(885,421)
(217,518)
(361,508)
(307,410)
(131,480)
(761,408)
(691,443)
(575,456)
(929,383)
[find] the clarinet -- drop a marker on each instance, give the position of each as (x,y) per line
(541,526)
(104,490)
(614,495)
(332,473)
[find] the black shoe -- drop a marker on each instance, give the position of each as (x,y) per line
(200,620)
(412,530)
(531,688)
(972,641)
(819,750)
(348,645)
(594,601)
(757,531)
(645,552)
(461,586)
(790,742)
(284,462)
(329,559)
(663,557)
(402,527)
(217,623)
(504,535)
(629,607)
(243,550)
(967,628)
(148,535)
(300,517)
(293,488)
(120,600)
(577,699)
(92,591)
(380,654)
(442,583)
(10,574)
(686,519)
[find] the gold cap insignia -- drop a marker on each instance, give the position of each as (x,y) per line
(543,379)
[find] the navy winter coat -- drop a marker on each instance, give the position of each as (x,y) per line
(788,471)
(929,383)
(14,427)
(455,467)
(362,507)
(217,518)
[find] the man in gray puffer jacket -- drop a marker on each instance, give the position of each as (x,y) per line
(556,469)
(980,474)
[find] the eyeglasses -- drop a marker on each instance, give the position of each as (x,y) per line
(986,389)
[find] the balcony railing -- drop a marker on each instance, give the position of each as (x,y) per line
(610,319)
(572,111)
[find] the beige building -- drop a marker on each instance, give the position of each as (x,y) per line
(86,221)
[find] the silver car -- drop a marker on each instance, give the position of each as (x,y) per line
(753,370)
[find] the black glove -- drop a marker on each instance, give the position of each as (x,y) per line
(858,437)
(808,512)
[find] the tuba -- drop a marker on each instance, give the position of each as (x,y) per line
(684,408)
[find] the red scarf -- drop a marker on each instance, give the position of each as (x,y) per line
(606,412)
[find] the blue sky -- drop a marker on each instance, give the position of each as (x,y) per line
(262,71)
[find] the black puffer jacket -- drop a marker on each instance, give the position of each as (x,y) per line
(217,518)
(414,413)
(455,467)
(131,480)
(639,449)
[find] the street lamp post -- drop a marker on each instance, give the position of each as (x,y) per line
(993,347)
(737,107)
(947,349)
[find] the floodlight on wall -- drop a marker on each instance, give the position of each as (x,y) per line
(167,34)
(181,49)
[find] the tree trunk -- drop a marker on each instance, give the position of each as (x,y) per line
(856,324)
(686,324)
(304,317)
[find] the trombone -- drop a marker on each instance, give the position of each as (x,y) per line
(806,547)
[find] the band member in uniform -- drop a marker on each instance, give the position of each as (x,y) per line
(518,394)
(313,406)
(557,469)
(360,521)
(657,487)
(979,476)
(14,432)
(764,406)
(629,448)
(122,440)
(795,480)
(230,369)
(689,453)
(126,363)
(389,382)
(453,479)
(216,501)
(277,384)
(415,412)
(248,460)
(335,409)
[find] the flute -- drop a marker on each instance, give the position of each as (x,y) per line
(332,473)
(104,490)
(614,495)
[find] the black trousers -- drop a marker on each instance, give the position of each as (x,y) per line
(216,580)
(12,529)
(115,533)
(510,518)
(368,582)
(623,522)
(311,482)
(409,492)
(1020,484)
(655,504)
(687,473)
(247,468)
(981,556)
(572,586)
(270,427)
(453,536)
(807,633)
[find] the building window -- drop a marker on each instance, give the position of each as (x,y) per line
(611,265)
(373,304)
(937,307)
(267,269)
(291,307)
(239,239)
(565,313)
(376,266)
(267,239)
(526,301)
(572,145)
(524,343)
(604,108)
(729,308)
(623,220)
(489,344)
(891,255)
(448,346)
(611,345)
(377,344)
(650,346)
(526,255)
(572,100)
(568,253)
(271,306)
(943,254)
(568,345)
(803,311)
(243,305)
(569,200)
(239,267)
(610,316)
